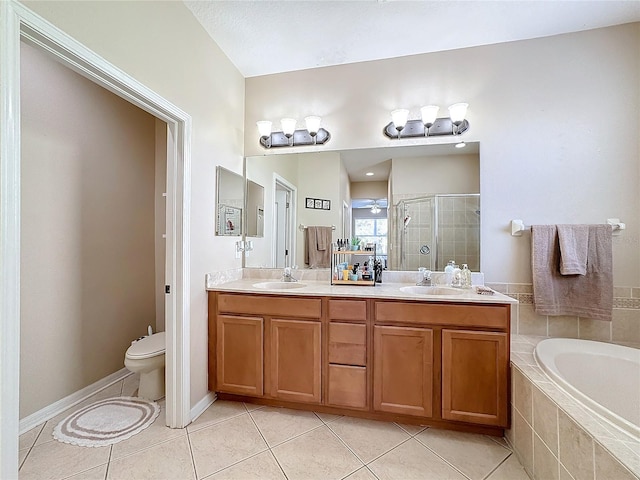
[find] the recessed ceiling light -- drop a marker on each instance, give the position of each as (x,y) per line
(369,174)
(461,145)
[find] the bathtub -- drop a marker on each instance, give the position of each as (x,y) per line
(602,376)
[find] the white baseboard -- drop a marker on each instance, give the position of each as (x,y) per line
(61,405)
(202,405)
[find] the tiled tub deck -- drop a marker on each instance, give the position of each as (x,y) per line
(554,436)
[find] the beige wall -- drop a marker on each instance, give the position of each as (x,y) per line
(318,177)
(557,121)
(432,175)
(163,46)
(369,190)
(87,240)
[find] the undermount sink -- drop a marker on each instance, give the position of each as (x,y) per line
(275,285)
(434,290)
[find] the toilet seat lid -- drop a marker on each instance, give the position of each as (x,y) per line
(149,346)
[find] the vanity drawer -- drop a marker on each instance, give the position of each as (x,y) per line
(347,386)
(348,310)
(487,316)
(270,306)
(348,343)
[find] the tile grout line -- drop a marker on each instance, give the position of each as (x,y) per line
(267,444)
(288,439)
(499,465)
(32,445)
(378,456)
(193,462)
(443,459)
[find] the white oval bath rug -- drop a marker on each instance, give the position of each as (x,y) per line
(107,422)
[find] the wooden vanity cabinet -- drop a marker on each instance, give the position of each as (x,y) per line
(474,376)
(403,370)
(455,355)
(268,346)
(239,354)
(347,373)
(295,360)
(437,363)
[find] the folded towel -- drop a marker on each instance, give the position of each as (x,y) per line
(589,295)
(574,246)
(323,237)
(314,257)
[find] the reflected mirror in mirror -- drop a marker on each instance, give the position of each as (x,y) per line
(428,195)
(255,209)
(229,202)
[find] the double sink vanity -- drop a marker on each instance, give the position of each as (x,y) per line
(399,352)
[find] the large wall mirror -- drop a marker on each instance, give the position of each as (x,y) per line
(419,204)
(229,202)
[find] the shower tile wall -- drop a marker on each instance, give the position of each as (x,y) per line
(459,217)
(458,220)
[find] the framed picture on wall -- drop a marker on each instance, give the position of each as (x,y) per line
(310,203)
(326,204)
(318,203)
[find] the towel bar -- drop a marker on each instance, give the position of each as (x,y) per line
(518,226)
(302,227)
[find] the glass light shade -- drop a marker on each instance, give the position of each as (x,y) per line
(399,118)
(264,127)
(429,114)
(288,126)
(313,124)
(457,112)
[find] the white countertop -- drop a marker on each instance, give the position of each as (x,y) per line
(380,290)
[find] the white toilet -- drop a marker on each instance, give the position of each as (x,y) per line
(146,357)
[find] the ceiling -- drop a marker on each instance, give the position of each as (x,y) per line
(269,36)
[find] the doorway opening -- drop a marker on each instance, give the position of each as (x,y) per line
(284,219)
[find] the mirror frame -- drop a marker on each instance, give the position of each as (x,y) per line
(229,214)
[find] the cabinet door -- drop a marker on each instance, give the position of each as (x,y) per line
(474,377)
(403,370)
(295,360)
(239,354)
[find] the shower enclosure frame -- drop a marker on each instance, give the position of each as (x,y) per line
(401,223)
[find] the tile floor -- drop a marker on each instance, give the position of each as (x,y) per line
(242,441)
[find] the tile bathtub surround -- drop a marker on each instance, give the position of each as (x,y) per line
(624,327)
(233,440)
(555,437)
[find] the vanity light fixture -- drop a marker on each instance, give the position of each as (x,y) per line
(429,125)
(289,136)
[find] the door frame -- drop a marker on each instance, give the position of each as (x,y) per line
(290,236)
(18,23)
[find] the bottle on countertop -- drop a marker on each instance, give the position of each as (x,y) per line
(448,272)
(466,276)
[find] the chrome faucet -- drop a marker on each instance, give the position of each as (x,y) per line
(426,279)
(286,275)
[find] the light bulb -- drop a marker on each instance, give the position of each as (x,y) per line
(288,126)
(264,127)
(429,115)
(457,113)
(313,124)
(399,118)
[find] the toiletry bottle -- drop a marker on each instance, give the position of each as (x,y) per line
(448,272)
(456,277)
(466,276)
